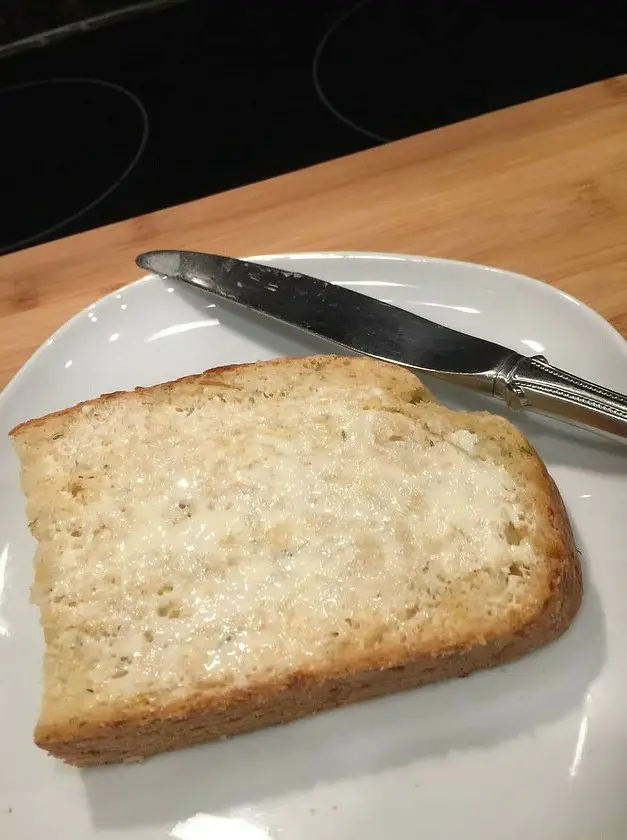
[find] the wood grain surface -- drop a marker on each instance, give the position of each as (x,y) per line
(540,188)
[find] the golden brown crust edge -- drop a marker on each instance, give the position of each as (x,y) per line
(190,721)
(212,376)
(27,425)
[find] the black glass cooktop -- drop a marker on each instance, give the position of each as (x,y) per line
(198,97)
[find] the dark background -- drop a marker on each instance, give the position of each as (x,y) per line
(191,98)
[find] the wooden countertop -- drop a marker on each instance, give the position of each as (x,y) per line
(540,188)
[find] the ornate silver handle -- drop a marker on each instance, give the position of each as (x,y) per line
(530,381)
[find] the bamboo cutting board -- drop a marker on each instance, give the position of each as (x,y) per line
(540,189)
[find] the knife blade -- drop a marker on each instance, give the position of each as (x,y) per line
(386,332)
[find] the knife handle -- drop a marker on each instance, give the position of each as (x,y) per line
(531,382)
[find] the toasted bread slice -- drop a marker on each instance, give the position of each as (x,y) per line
(261,542)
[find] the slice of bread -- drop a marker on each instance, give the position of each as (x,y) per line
(264,541)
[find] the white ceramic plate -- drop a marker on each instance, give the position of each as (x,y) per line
(537,749)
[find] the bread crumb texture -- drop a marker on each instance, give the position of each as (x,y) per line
(229,531)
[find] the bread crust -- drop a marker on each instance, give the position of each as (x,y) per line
(147,725)
(221,375)
(144,731)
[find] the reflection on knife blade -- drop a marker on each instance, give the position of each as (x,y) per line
(378,329)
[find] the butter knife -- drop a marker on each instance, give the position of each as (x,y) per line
(385,332)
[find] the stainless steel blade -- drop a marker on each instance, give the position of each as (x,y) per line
(346,317)
(385,332)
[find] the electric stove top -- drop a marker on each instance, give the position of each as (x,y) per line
(198,97)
